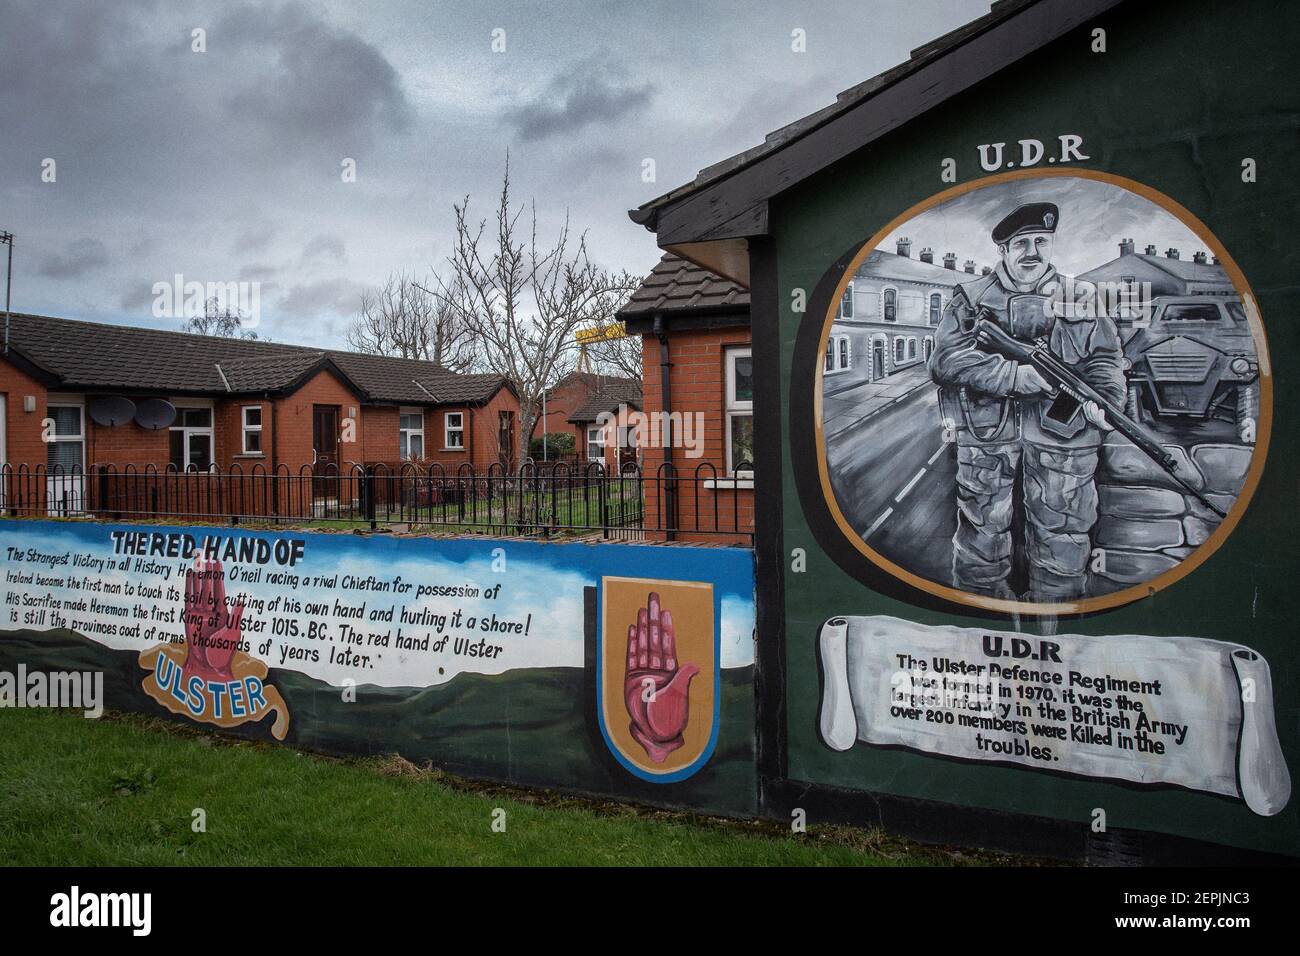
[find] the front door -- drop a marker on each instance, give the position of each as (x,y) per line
(325,449)
(877,361)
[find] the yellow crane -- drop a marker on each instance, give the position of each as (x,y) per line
(605,332)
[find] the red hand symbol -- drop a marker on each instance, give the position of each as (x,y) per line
(656,690)
(212,632)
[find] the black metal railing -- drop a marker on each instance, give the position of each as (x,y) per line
(543,499)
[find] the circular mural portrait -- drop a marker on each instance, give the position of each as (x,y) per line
(1041,391)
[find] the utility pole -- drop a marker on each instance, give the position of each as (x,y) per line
(8,239)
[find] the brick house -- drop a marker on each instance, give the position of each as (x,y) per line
(698,385)
(238,404)
(570,396)
(604,427)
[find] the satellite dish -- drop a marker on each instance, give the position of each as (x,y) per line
(110,410)
(155,414)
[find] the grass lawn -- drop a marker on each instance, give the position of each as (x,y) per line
(121,790)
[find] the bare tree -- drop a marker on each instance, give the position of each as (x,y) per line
(406,318)
(218,320)
(523,299)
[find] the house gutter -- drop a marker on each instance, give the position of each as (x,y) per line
(666,388)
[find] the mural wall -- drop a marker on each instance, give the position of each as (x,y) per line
(1084,414)
(517,661)
(1037,469)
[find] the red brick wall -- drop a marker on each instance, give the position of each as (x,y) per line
(380,426)
(23,445)
(435,423)
(294,418)
(485,424)
(560,404)
(698,381)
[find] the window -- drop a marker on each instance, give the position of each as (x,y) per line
(251,416)
(889,301)
(410,433)
(936,307)
(846,303)
(911,348)
(740,410)
(1128,296)
(839,354)
(453,431)
(64,453)
(595,443)
(1209,312)
(899,346)
(191,439)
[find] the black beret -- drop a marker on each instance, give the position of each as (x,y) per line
(1031,217)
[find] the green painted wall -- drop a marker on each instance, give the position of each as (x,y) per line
(1184,92)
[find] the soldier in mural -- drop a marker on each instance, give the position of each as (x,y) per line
(1087,419)
(1008,424)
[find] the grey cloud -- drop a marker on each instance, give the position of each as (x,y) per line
(585,94)
(325,247)
(310,79)
(257,272)
(330,296)
(79,257)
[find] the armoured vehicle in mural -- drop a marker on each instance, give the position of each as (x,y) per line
(1195,361)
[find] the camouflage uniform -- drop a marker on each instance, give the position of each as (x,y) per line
(1000,435)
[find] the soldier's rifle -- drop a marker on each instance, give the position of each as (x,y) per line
(991,337)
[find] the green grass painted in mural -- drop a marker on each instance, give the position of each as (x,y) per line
(122,790)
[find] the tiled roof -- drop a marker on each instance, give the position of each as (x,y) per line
(676,284)
(623,391)
(92,355)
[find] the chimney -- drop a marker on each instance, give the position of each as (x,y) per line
(1150,251)
(1126,247)
(927,255)
(1171,253)
(905,247)
(969,266)
(950,261)
(1215,260)
(986,270)
(1199,258)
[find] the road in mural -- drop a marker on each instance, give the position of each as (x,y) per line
(477,655)
(1176,711)
(1068,413)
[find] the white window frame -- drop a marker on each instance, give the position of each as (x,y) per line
(884,308)
(900,350)
(186,431)
(448,430)
(403,431)
(67,489)
(735,408)
(246,429)
(847,296)
(932,317)
(598,441)
(839,355)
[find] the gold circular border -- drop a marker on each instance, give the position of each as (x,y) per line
(1129,594)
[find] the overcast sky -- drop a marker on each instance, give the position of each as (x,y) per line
(226,165)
